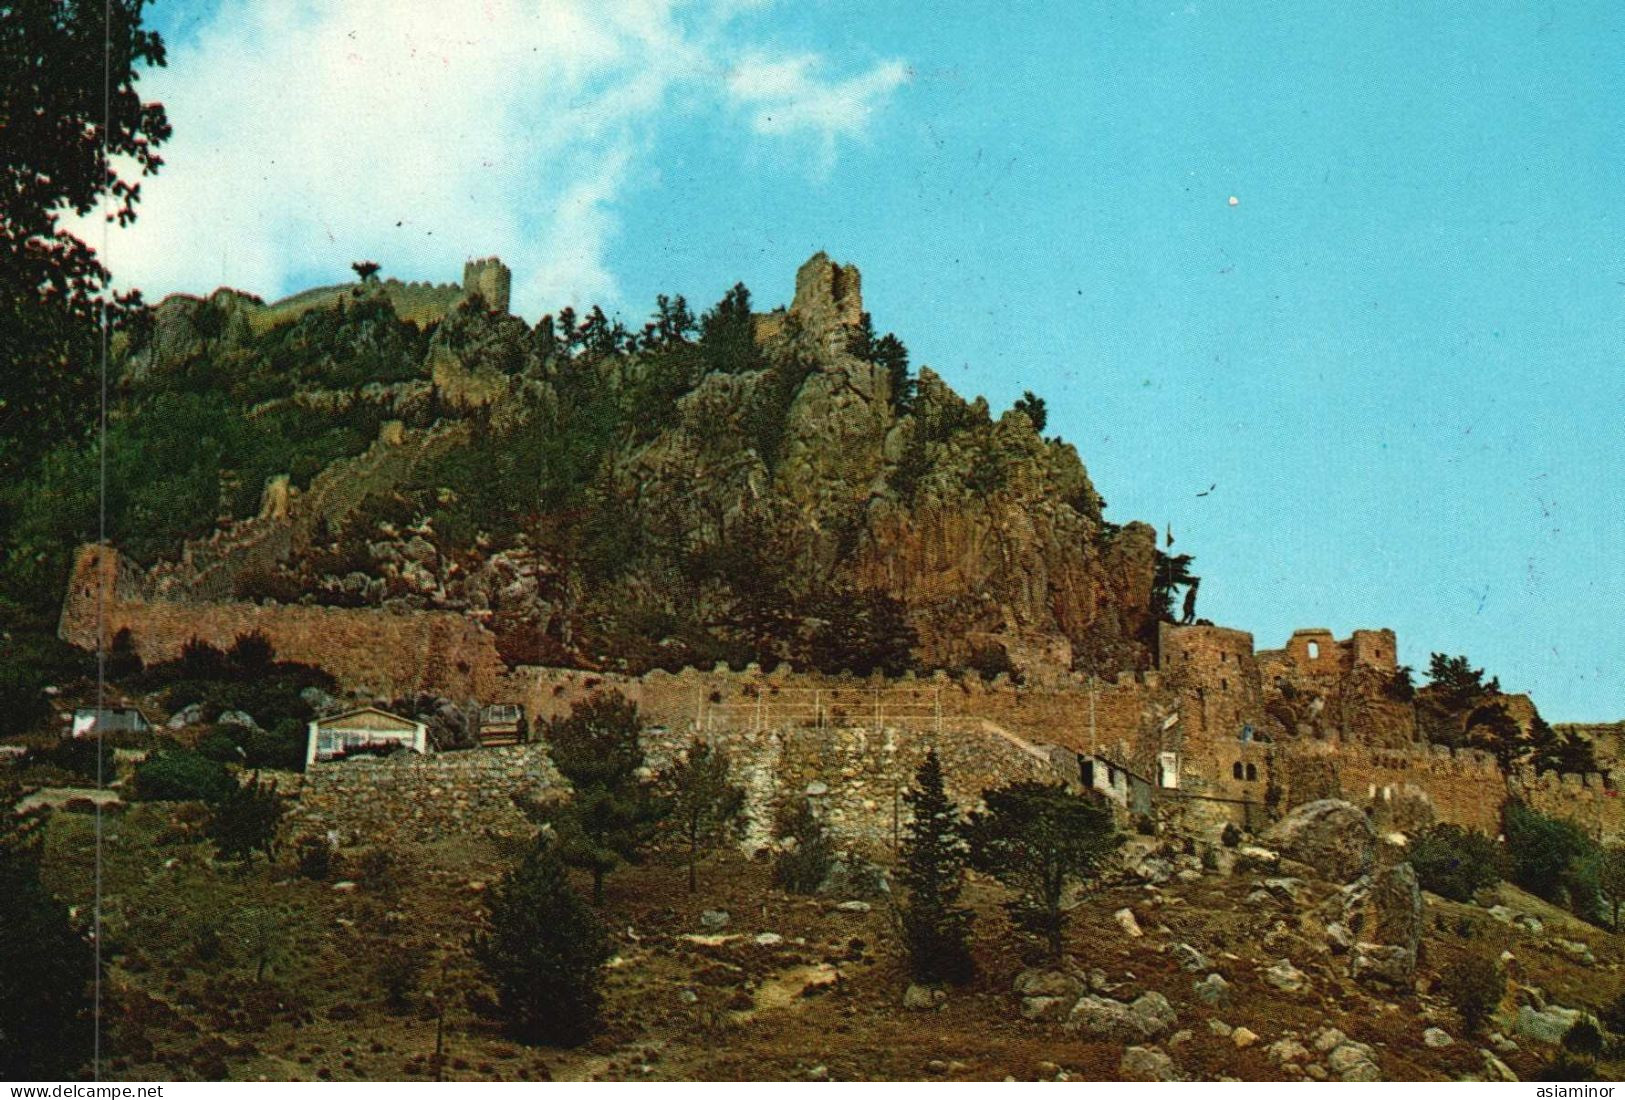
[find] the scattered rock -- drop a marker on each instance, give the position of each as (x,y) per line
(1339,938)
(189,715)
(1316,1071)
(1243,1037)
(819,1072)
(1251,857)
(1212,990)
(1147,1064)
(1149,1017)
(768,939)
(1219,1027)
(1190,958)
(1125,920)
(688,997)
(1284,1051)
(1576,951)
(1044,1008)
(1328,1039)
(1547,1025)
(1287,889)
(346,887)
(1353,1061)
(1497,1069)
(854,907)
(714,919)
(923,998)
(1286,977)
(237,718)
(1331,835)
(1047,983)
(1436,1038)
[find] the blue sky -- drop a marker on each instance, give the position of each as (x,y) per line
(1398,355)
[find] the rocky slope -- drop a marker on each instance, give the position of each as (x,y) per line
(607,500)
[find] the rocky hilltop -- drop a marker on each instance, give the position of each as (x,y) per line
(741,486)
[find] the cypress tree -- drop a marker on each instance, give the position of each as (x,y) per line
(545,952)
(934,854)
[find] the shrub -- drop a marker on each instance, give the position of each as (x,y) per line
(1455,863)
(1584,1038)
(76,756)
(1475,984)
(545,952)
(317,859)
(806,855)
(1553,859)
(45,972)
(1231,836)
(179,775)
(1613,1016)
(245,821)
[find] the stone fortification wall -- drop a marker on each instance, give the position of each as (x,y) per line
(375,652)
(417,799)
(853,775)
(1591,800)
(1466,786)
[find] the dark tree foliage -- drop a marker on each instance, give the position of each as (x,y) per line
(728,334)
(1458,684)
(46,969)
(1401,686)
(861,632)
(806,853)
(613,812)
(180,775)
(888,353)
(1172,572)
(1475,984)
(68,73)
(1038,839)
(1034,408)
(932,871)
(1455,863)
(1492,728)
(364,269)
(1611,880)
(706,806)
(545,953)
(1553,859)
(245,820)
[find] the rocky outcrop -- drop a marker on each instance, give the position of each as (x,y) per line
(1330,835)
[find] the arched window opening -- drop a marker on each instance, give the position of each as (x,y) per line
(1236,771)
(1252,772)
(1314,651)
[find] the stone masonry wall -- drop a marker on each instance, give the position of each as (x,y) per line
(854,777)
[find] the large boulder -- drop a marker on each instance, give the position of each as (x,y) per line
(1330,835)
(1383,913)
(1150,1017)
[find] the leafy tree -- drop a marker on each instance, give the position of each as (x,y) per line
(1172,572)
(1401,686)
(45,967)
(1475,984)
(1458,683)
(1038,840)
(245,821)
(613,812)
(705,805)
(364,270)
(545,952)
(805,854)
(68,73)
(1034,408)
(1611,879)
(1492,728)
(728,334)
(1455,863)
(932,870)
(1553,859)
(888,353)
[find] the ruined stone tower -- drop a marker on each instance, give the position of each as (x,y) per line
(491,279)
(828,295)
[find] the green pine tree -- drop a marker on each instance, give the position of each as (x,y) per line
(1038,840)
(705,804)
(545,952)
(614,811)
(932,871)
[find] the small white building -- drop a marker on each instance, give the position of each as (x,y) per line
(338,735)
(89,721)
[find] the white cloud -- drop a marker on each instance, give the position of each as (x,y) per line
(421,132)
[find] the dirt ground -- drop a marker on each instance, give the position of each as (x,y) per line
(817,996)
